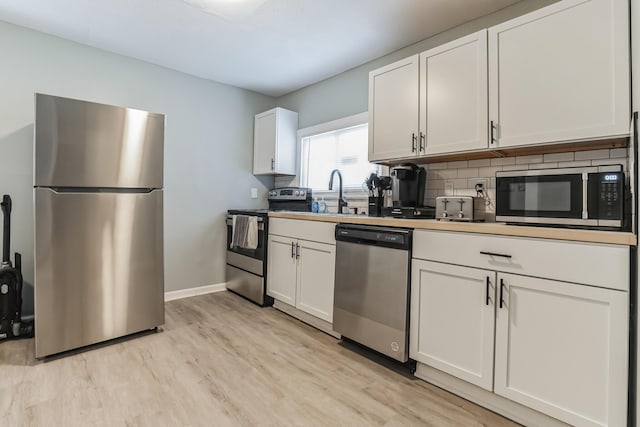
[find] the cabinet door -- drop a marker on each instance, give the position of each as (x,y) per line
(281,270)
(561,73)
(316,276)
(452,320)
(286,141)
(453,99)
(393,110)
(264,143)
(562,349)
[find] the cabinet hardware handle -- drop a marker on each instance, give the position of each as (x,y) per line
(293,251)
(297,251)
(414,141)
(487,298)
(422,142)
(501,290)
(495,254)
(493,128)
(273,164)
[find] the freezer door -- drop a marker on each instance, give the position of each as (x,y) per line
(85,144)
(98,267)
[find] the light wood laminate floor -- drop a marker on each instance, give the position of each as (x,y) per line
(222,361)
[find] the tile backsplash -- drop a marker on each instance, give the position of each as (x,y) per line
(462,175)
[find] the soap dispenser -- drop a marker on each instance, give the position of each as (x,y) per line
(322,206)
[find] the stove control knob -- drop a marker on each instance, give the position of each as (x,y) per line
(302,193)
(461,215)
(296,193)
(272,193)
(445,214)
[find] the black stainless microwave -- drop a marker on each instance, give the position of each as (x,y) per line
(591,196)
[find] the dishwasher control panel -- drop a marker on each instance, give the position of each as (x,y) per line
(373,235)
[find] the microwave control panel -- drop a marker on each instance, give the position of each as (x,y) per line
(606,195)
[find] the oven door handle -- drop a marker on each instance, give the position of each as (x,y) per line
(260,224)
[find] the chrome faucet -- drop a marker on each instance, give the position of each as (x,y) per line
(341,202)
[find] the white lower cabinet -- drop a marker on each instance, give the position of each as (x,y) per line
(453,320)
(315,278)
(282,264)
(559,348)
(300,272)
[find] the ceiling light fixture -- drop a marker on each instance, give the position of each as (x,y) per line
(230,10)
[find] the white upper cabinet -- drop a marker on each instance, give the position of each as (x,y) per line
(453,98)
(393,110)
(274,142)
(560,74)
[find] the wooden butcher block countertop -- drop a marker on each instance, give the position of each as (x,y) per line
(496,228)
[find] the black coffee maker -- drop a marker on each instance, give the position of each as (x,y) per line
(407,189)
(407,186)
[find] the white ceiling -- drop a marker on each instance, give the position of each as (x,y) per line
(269,46)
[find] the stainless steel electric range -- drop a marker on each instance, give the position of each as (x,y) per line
(247,268)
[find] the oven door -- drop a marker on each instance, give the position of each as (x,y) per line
(257,253)
(540,197)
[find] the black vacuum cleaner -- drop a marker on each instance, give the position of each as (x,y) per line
(11,325)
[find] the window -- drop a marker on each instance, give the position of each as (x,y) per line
(339,145)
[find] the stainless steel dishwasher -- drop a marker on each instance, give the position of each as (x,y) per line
(371,299)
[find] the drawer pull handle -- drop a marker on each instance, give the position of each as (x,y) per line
(297,251)
(293,251)
(495,254)
(501,291)
(487,298)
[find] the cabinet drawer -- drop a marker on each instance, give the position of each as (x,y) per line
(586,263)
(315,231)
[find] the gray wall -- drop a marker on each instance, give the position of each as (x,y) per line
(347,93)
(208,143)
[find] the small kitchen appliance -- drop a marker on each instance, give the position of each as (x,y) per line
(407,188)
(585,197)
(11,324)
(460,208)
(247,267)
(407,185)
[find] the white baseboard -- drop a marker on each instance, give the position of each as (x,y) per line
(192,292)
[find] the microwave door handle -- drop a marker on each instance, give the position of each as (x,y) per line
(585,187)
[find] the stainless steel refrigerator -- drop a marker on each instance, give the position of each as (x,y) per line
(99,269)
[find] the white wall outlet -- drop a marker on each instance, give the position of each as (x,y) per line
(448,188)
(254,193)
(480,184)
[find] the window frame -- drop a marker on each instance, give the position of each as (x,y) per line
(332,126)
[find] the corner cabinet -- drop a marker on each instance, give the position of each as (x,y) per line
(274,142)
(560,346)
(560,74)
(301,267)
